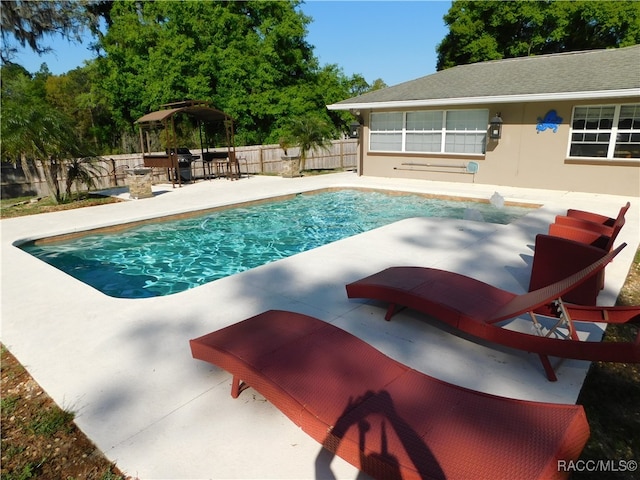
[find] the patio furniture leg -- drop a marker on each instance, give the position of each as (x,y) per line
(237,387)
(548,369)
(564,314)
(392,310)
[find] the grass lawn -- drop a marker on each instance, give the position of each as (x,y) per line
(40,439)
(19,207)
(611,398)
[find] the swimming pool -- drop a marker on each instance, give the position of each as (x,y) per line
(166,257)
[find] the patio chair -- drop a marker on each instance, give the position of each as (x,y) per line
(586,236)
(233,166)
(597,218)
(383,417)
(558,257)
(480,310)
(589,228)
(594,227)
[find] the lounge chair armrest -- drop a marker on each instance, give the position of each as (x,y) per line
(591,217)
(584,225)
(581,235)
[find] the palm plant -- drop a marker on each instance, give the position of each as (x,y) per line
(81,170)
(308,133)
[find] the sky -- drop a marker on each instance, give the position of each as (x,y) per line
(391,40)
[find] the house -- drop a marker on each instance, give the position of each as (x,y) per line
(568,121)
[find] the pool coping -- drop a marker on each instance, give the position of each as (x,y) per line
(127,372)
(61,237)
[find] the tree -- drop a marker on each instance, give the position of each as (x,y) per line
(32,130)
(249,59)
(308,133)
(75,94)
(378,84)
(28,22)
(81,170)
(492,30)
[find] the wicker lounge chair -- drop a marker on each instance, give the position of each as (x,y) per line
(597,218)
(590,229)
(556,258)
(386,419)
(591,237)
(479,310)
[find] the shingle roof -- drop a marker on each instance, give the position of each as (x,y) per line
(547,75)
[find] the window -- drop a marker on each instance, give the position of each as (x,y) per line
(606,131)
(430,131)
(628,136)
(466,131)
(424,132)
(388,132)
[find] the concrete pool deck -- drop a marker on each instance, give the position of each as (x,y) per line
(124,366)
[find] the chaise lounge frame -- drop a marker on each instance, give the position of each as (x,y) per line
(383,417)
(478,309)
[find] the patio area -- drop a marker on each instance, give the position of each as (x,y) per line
(124,366)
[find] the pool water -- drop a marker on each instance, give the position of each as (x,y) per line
(172,256)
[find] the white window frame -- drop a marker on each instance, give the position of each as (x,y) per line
(613,132)
(443,131)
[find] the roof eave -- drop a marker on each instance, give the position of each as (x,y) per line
(521,98)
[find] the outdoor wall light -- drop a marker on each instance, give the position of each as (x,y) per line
(354,130)
(495,127)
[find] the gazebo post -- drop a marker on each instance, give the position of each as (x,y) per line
(174,151)
(141,141)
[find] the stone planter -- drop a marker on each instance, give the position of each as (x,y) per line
(290,166)
(139,181)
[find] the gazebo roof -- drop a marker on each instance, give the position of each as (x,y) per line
(198,110)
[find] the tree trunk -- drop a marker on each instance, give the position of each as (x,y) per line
(26,167)
(51,169)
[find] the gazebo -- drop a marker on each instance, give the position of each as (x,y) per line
(165,119)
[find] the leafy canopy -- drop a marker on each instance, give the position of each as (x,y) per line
(32,130)
(249,59)
(28,22)
(308,133)
(492,30)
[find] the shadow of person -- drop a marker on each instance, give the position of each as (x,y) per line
(369,462)
(381,444)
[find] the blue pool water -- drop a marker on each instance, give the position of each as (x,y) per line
(172,256)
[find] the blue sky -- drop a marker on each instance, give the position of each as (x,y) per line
(392,40)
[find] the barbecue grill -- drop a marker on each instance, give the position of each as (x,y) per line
(185,158)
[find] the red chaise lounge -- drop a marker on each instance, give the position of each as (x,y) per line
(386,419)
(556,258)
(586,228)
(600,219)
(479,309)
(589,227)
